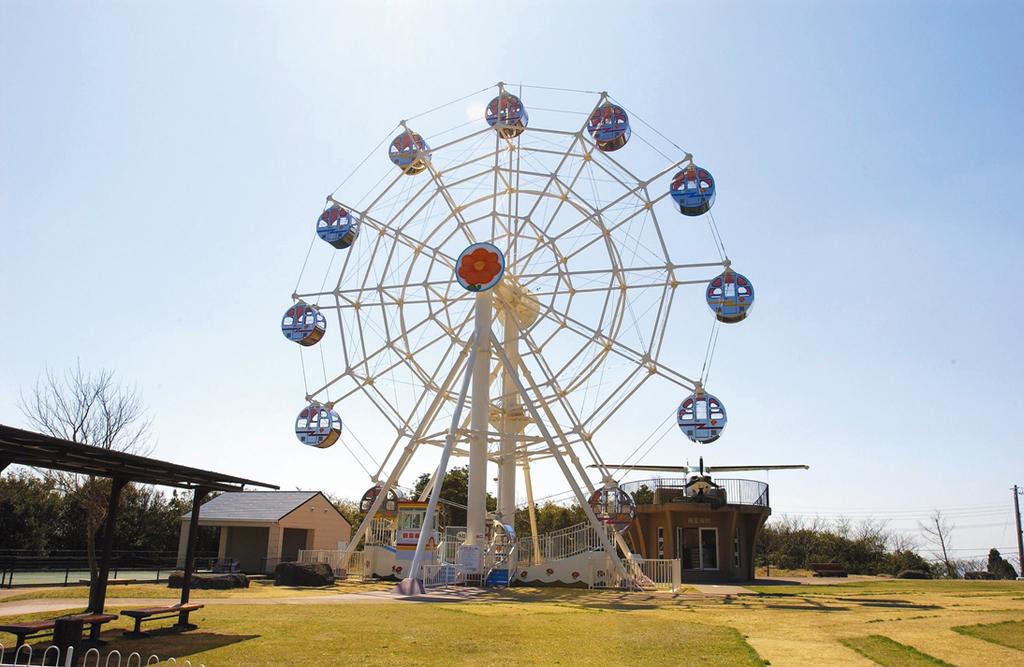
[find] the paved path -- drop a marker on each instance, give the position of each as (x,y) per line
(721,589)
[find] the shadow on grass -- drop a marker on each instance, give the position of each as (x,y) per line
(169,643)
(896,604)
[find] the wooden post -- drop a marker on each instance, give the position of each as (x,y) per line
(98,591)
(190,554)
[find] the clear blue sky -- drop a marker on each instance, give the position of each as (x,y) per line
(159,164)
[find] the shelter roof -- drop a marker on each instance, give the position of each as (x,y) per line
(43,451)
(254,505)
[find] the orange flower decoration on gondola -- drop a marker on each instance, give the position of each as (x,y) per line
(480,267)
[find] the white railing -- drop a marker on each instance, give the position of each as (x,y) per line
(563,543)
(663,574)
(52,655)
(351,567)
(441,576)
(381,532)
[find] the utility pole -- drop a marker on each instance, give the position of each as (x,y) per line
(1020,538)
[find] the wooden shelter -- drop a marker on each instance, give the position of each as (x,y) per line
(38,450)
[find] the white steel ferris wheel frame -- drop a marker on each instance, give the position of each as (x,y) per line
(544,405)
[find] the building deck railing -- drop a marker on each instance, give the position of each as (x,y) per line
(732,491)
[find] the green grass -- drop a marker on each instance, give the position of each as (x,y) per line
(256,589)
(440,633)
(956,587)
(1008,633)
(890,653)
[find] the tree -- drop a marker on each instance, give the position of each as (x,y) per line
(938,532)
(999,567)
(93,409)
(454,496)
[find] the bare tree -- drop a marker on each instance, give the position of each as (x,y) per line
(93,409)
(938,532)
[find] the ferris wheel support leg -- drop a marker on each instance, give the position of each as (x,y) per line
(410,585)
(476,514)
(566,470)
(531,509)
(510,428)
(410,449)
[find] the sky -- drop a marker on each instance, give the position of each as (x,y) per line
(867,157)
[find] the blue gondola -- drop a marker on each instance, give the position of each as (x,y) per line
(507,115)
(303,324)
(410,152)
(701,417)
(693,190)
(318,426)
(730,296)
(337,226)
(609,127)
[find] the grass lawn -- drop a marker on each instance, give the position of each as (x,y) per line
(889,653)
(256,590)
(859,623)
(1008,633)
(441,633)
(899,587)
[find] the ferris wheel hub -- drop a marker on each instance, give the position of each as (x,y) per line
(519,301)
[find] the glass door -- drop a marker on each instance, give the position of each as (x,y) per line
(697,548)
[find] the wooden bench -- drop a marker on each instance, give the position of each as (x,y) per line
(179,611)
(37,629)
(828,570)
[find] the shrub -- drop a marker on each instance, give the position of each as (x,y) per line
(303,574)
(209,581)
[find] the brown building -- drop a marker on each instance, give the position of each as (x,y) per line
(711,533)
(259,529)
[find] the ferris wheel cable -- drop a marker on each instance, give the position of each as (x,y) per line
(304,381)
(654,444)
(566,111)
(718,234)
(713,345)
(304,263)
(365,159)
(707,350)
(560,90)
(362,446)
(653,147)
(652,128)
(447,104)
(355,458)
(636,450)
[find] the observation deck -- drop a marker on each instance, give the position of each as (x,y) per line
(660,491)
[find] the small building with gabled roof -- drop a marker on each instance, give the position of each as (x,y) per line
(259,529)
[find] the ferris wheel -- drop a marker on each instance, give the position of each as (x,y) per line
(530,263)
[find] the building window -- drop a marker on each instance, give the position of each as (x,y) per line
(661,542)
(736,549)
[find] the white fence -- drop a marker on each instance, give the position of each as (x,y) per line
(442,576)
(663,574)
(92,658)
(350,568)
